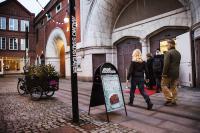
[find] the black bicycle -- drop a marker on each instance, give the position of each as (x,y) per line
(36,86)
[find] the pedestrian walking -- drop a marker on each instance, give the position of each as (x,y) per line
(170,74)
(152,81)
(136,72)
(157,66)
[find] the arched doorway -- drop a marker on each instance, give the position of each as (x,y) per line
(157,38)
(125,49)
(42,59)
(55,50)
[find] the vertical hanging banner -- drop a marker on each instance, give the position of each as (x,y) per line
(73,60)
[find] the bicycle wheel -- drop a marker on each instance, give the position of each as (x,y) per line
(36,93)
(21,87)
(49,93)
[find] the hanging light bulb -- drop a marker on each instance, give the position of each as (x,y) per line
(66,19)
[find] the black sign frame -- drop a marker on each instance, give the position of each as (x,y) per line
(97,95)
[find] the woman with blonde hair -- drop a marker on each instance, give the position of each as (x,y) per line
(136,72)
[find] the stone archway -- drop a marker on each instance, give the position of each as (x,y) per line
(107,12)
(56,49)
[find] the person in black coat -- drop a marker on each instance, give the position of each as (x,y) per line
(136,72)
(157,66)
(152,81)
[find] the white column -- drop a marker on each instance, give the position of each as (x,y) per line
(143,41)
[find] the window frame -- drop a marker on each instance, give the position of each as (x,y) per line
(1,40)
(1,23)
(48,16)
(23,25)
(13,45)
(24,44)
(58,10)
(13,26)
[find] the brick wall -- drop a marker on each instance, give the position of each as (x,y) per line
(44,30)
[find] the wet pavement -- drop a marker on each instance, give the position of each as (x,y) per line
(21,114)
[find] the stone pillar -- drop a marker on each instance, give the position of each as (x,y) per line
(143,41)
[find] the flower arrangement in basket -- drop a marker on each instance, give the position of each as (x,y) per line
(43,73)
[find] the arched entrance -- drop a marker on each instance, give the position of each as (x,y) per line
(125,49)
(158,37)
(55,50)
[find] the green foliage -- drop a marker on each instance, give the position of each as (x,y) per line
(42,71)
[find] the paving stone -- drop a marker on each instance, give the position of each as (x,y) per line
(142,127)
(175,119)
(177,127)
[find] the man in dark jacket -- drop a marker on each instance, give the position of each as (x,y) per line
(152,81)
(157,66)
(170,73)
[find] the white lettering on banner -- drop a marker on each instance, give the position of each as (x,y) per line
(74,44)
(108,70)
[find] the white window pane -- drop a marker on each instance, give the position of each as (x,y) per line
(2,23)
(22,44)
(24,23)
(16,25)
(13,24)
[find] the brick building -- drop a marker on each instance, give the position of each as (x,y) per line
(52,34)
(14,17)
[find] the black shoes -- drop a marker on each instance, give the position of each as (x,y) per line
(170,103)
(130,104)
(149,106)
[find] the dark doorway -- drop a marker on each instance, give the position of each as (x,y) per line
(97,59)
(124,55)
(197,55)
(42,58)
(168,33)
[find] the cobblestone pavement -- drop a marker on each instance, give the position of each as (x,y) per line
(21,114)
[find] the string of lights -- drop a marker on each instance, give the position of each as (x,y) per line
(66,20)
